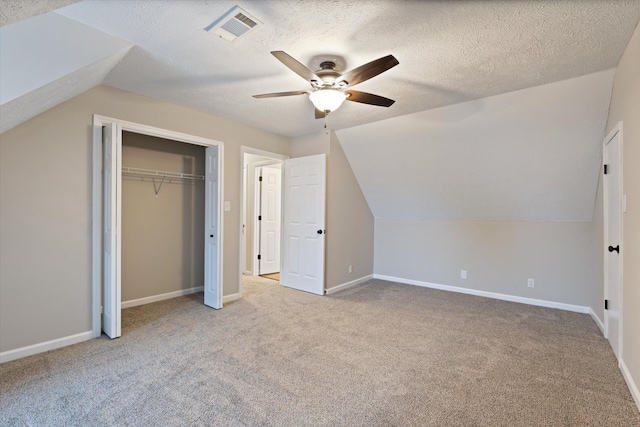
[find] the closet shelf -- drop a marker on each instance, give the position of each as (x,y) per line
(161,174)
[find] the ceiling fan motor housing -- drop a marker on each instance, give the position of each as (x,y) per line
(328,74)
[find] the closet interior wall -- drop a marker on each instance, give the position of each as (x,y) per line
(163,233)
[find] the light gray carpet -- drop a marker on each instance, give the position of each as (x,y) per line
(381,354)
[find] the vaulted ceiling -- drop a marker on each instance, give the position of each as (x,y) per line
(449,51)
(460,59)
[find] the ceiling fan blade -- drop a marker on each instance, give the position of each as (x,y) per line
(320,114)
(369,98)
(296,66)
(277,94)
(367,71)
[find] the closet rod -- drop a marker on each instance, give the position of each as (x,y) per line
(149,172)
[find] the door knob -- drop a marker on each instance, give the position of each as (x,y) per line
(617,249)
(319,231)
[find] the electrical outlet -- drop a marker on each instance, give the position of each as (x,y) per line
(350,269)
(463,274)
(530,283)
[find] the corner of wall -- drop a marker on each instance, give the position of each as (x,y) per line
(350,227)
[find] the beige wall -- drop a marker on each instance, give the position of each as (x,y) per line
(499,256)
(625,107)
(45,207)
(163,235)
(350,225)
(309,145)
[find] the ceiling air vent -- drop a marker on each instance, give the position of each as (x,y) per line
(233,24)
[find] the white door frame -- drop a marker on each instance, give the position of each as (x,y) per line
(96,261)
(608,240)
(242,246)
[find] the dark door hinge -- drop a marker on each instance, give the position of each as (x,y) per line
(606,169)
(606,304)
(260,178)
(258,256)
(259,217)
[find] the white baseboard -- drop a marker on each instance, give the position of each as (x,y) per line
(348,285)
(494,295)
(30,350)
(161,297)
(633,388)
(596,319)
(232,297)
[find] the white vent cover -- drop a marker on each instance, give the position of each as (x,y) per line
(233,24)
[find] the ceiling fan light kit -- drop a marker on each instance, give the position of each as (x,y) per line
(327,100)
(328,85)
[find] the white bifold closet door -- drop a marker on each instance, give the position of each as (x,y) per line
(212,275)
(304,223)
(111,223)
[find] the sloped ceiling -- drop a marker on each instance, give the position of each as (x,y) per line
(449,51)
(43,64)
(528,155)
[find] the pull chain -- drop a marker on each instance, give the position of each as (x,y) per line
(326,122)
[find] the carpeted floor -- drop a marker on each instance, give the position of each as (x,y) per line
(380,354)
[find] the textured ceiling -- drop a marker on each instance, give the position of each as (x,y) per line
(528,155)
(449,51)
(492,119)
(17,10)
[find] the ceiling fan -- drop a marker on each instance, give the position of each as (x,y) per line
(329,88)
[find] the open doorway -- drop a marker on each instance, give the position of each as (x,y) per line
(261,214)
(303,198)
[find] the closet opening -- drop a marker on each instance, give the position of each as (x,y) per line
(157,220)
(162,219)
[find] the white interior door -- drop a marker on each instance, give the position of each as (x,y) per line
(612,196)
(212,270)
(111,220)
(270,188)
(304,223)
